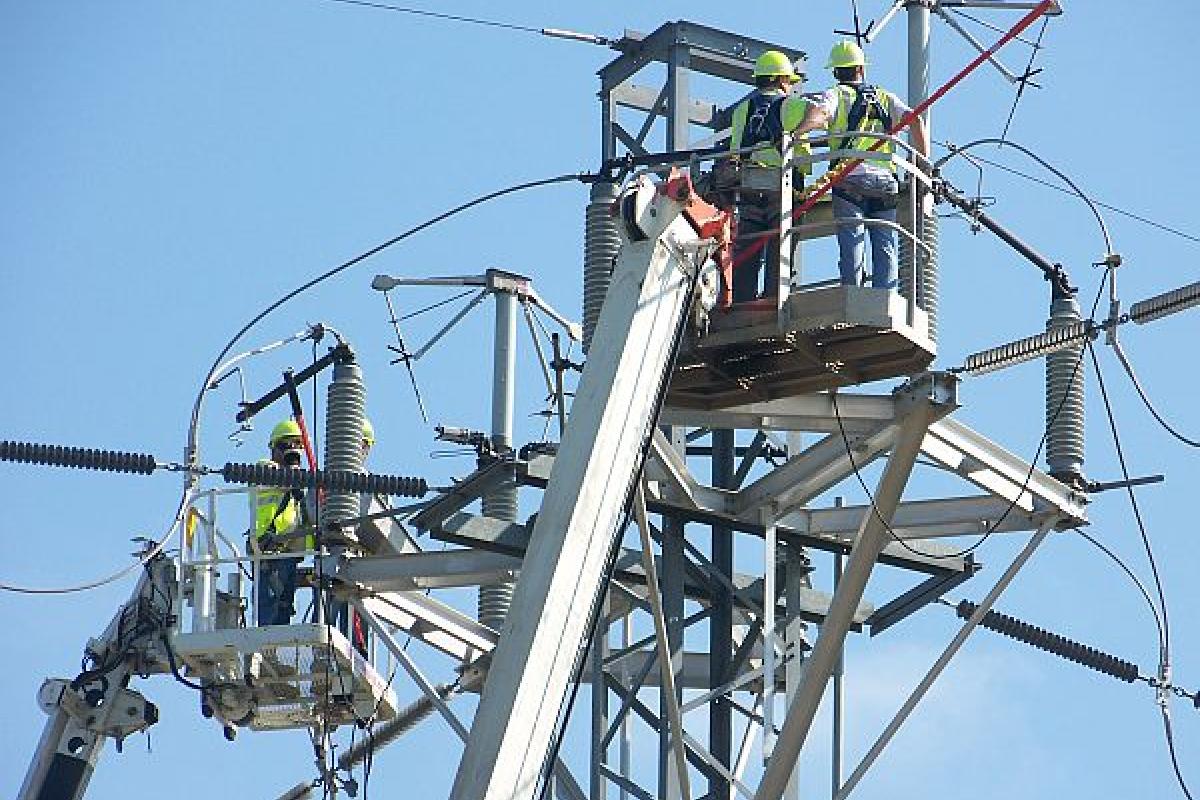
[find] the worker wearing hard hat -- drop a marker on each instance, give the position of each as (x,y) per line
(279,516)
(760,122)
(869,191)
(282,525)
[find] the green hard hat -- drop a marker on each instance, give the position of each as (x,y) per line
(773,63)
(368,432)
(846,54)
(288,429)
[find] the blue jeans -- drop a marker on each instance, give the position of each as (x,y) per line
(858,197)
(277,591)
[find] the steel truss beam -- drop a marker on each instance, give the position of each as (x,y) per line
(915,417)
(712,52)
(1001,473)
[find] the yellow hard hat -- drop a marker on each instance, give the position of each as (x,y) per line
(288,429)
(846,54)
(368,432)
(772,64)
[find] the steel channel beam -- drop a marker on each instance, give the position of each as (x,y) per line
(914,600)
(716,52)
(922,519)
(895,555)
(811,472)
(435,623)
(433,570)
(813,413)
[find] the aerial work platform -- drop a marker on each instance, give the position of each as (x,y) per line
(821,337)
(287,676)
(805,338)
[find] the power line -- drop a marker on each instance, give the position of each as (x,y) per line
(1165,650)
(490,23)
(1166,718)
(554,33)
(187,496)
(1137,513)
(1057,188)
(1121,357)
(1091,204)
(1132,576)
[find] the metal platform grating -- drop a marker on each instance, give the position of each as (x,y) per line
(287,676)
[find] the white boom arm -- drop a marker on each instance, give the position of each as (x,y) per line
(600,458)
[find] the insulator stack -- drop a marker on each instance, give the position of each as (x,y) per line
(404,721)
(345,412)
(53,455)
(1053,643)
(600,244)
(496,599)
(928,292)
(927,270)
(1064,397)
(1165,304)
(1006,355)
(332,481)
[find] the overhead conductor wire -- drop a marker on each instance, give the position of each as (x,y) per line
(1106,206)
(1146,400)
(1164,672)
(553,33)
(192,452)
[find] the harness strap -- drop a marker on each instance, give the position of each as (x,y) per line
(866,100)
(764,122)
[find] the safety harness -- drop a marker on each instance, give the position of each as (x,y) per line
(764,123)
(866,107)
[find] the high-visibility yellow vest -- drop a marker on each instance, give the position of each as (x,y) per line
(780,112)
(874,120)
(276,513)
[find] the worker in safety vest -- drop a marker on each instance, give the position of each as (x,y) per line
(279,516)
(760,121)
(869,191)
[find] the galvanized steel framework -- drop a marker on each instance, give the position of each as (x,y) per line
(753,625)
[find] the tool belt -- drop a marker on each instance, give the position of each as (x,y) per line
(857,195)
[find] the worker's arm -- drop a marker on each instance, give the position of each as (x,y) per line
(815,118)
(920,136)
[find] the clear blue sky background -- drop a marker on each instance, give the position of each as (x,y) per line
(166,169)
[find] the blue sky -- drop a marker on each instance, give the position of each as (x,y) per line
(168,168)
